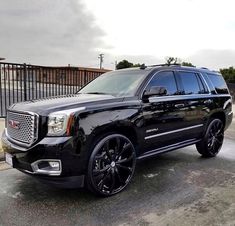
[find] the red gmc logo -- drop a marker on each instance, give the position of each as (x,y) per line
(14,124)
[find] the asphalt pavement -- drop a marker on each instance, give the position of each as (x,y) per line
(177,188)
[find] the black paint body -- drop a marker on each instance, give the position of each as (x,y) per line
(135,117)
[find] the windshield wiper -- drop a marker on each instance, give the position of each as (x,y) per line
(99,93)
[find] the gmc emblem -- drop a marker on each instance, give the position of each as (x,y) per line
(14,124)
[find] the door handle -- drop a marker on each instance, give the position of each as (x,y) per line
(179,105)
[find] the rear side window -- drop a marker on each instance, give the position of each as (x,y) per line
(165,79)
(191,83)
(219,83)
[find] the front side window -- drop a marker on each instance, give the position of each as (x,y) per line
(190,83)
(165,79)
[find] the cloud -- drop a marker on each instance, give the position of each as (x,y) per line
(210,58)
(55,32)
(213,59)
(162,28)
(61,32)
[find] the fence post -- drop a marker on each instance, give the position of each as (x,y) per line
(25,80)
(85,77)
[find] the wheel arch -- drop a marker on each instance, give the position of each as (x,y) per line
(215,115)
(220,115)
(127,130)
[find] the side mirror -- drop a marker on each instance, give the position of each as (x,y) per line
(155,91)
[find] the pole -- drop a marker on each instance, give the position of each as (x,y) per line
(101,57)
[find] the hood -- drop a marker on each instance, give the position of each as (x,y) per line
(58,103)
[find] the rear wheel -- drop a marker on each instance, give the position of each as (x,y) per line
(111,165)
(212,142)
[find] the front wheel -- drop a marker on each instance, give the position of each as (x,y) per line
(212,142)
(111,165)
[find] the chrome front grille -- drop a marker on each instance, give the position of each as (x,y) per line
(22,127)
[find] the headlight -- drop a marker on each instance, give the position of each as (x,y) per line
(57,124)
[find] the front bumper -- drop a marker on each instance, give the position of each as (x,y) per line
(57,149)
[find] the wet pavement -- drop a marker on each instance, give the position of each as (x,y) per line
(177,188)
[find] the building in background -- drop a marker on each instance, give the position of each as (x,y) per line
(66,75)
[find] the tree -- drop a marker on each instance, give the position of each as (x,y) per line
(228,74)
(188,64)
(172,60)
(126,64)
(137,65)
(175,60)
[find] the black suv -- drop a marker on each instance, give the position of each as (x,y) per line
(94,137)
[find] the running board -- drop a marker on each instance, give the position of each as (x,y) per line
(168,148)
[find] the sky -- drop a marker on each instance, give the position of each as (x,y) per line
(62,32)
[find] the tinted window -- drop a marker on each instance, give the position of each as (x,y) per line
(165,79)
(202,85)
(190,83)
(219,83)
(209,83)
(118,83)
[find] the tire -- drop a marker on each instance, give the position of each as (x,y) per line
(212,142)
(111,165)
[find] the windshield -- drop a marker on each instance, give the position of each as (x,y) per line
(117,83)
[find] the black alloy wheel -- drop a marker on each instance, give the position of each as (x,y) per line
(111,165)
(213,140)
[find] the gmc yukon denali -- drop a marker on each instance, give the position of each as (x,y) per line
(95,137)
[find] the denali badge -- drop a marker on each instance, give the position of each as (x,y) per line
(14,124)
(151,130)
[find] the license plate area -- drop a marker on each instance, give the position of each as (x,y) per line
(8,159)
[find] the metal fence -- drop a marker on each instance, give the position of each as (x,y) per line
(22,82)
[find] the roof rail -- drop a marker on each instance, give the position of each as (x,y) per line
(172,64)
(143,66)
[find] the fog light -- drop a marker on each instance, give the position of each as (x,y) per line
(50,167)
(55,165)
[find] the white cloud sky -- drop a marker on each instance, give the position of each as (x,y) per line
(162,28)
(59,32)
